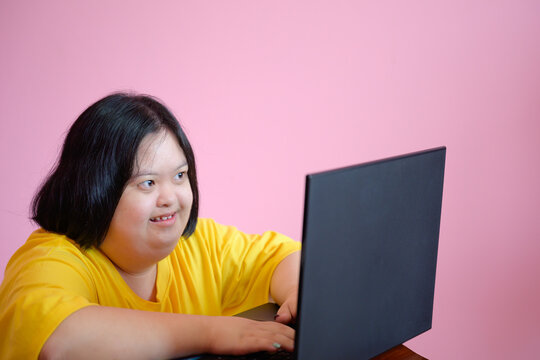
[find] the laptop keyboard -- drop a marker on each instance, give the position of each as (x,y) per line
(278,355)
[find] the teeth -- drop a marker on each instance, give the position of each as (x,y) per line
(162,218)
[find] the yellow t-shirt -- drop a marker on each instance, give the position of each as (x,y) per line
(216,271)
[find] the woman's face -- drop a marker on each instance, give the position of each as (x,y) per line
(154,208)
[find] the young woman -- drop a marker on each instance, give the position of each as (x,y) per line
(122,267)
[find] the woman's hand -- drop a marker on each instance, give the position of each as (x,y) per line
(237,336)
(287,311)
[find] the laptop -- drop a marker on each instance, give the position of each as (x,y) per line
(369,254)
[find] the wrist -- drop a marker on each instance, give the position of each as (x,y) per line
(189,334)
(207,331)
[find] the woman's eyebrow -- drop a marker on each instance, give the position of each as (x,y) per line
(149,172)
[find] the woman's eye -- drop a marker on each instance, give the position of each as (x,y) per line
(146,184)
(180,175)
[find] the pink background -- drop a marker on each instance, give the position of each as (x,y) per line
(271,90)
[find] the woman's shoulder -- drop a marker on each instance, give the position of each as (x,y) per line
(206,224)
(43,246)
(43,242)
(210,230)
(205,232)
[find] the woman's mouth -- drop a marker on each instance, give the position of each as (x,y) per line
(158,219)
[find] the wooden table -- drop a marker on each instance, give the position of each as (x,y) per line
(400,352)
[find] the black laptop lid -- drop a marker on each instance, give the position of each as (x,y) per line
(369,255)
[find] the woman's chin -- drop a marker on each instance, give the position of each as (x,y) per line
(163,246)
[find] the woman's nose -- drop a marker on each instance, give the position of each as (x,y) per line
(166,196)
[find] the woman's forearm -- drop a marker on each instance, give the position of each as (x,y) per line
(98,332)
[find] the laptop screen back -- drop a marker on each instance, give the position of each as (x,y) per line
(369,255)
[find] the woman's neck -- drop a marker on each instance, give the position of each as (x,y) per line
(142,283)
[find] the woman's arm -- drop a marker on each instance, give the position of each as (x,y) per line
(284,287)
(98,332)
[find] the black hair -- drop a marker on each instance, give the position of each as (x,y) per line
(79,197)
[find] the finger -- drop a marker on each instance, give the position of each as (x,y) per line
(292,309)
(283,342)
(275,327)
(275,343)
(283,315)
(279,332)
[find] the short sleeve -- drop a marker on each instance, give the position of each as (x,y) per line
(40,289)
(247,263)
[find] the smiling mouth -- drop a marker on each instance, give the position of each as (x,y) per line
(162,218)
